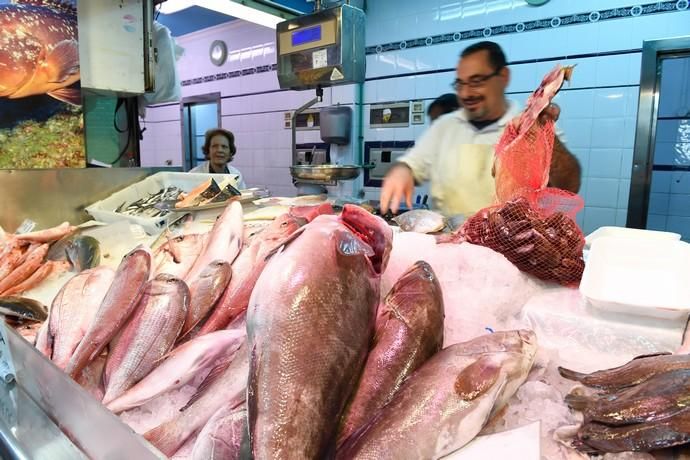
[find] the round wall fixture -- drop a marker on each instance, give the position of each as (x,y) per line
(218,52)
(537,2)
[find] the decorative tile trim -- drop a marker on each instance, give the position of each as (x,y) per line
(667,6)
(538,24)
(227,75)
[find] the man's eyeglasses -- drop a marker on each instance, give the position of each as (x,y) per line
(474,82)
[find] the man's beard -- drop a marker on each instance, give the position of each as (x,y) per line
(479,112)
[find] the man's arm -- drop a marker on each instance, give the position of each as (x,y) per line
(565,169)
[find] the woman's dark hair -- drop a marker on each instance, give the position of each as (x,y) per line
(447,103)
(497,58)
(223,132)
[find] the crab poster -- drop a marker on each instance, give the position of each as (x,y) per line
(41,123)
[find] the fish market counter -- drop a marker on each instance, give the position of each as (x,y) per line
(457,323)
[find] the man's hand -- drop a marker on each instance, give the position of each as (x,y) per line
(398,184)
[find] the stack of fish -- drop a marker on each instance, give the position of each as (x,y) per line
(290,358)
(149,205)
(29,258)
(641,406)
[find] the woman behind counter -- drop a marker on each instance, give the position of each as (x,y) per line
(219,150)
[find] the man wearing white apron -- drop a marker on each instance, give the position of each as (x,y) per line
(456,154)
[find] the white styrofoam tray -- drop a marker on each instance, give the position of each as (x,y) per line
(104,210)
(624,232)
(647,277)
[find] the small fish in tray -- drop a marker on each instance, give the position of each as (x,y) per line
(146,207)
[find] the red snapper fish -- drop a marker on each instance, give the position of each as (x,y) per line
(39,52)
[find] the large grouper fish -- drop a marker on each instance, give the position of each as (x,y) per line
(39,52)
(310,323)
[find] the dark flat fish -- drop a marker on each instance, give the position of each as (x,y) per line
(633,373)
(661,396)
(83,252)
(639,437)
(23,308)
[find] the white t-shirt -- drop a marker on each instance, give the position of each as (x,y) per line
(205,168)
(457,159)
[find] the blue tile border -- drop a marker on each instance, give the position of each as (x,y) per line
(227,75)
(667,6)
(537,24)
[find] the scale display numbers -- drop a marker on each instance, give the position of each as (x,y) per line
(308,35)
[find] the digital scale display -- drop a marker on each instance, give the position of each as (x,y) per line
(308,35)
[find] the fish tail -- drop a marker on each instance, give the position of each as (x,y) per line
(165,438)
(571,375)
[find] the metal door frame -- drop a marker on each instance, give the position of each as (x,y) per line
(197,99)
(645,133)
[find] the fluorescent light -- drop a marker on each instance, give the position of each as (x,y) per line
(228,7)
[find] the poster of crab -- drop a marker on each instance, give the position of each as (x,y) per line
(41,122)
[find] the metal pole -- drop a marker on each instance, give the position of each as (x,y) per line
(318,98)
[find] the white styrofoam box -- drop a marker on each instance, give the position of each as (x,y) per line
(104,210)
(637,276)
(623,232)
(525,440)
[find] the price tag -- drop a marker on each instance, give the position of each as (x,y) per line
(7,371)
(319,59)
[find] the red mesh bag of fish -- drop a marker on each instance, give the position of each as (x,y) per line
(533,225)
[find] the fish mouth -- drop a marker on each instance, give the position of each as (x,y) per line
(373,231)
(527,336)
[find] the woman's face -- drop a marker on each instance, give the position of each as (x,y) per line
(219,151)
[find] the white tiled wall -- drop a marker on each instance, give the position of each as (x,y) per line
(599,107)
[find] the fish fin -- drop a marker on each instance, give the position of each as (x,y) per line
(578,401)
(283,243)
(252,385)
(67,95)
(349,244)
(212,376)
(652,355)
(571,375)
(477,378)
(64,58)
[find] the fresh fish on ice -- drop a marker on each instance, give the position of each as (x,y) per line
(310,322)
(446,402)
(118,305)
(149,335)
(224,241)
(23,308)
(225,385)
(420,221)
(73,310)
(662,396)
(246,269)
(205,292)
(221,437)
(633,373)
(409,331)
(180,366)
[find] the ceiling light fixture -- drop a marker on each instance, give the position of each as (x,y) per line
(227,7)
